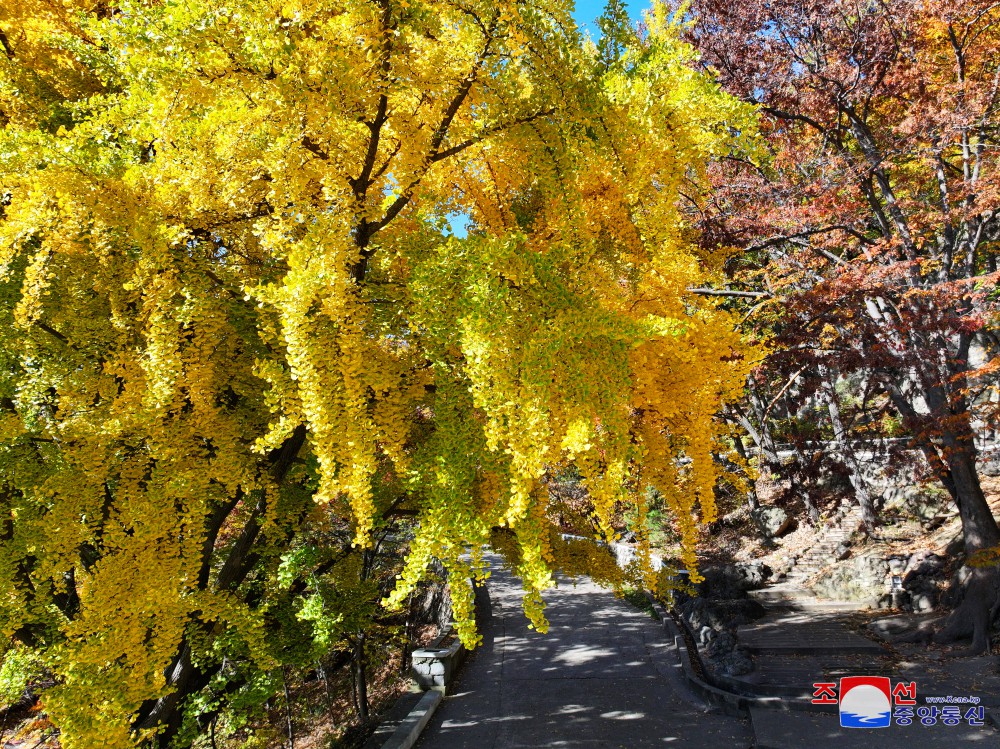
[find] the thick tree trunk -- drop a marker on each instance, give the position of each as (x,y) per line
(953,459)
(166,713)
(186,678)
(981,595)
(979,527)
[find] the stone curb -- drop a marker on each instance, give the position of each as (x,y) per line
(409,730)
(412,725)
(732,703)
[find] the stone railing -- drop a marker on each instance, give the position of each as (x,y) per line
(434,667)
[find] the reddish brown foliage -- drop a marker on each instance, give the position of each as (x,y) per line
(875,218)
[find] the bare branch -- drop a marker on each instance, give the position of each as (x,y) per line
(729,292)
(52,332)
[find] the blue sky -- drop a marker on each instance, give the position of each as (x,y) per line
(588,10)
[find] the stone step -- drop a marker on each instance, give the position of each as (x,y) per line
(791,676)
(790,595)
(805,638)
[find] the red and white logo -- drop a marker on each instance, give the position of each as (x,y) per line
(865,702)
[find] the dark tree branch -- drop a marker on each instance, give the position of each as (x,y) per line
(52,332)
(7,49)
(729,292)
(487,132)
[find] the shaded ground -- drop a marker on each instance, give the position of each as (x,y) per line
(794,648)
(603,676)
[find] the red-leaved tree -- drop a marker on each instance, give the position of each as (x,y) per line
(874,218)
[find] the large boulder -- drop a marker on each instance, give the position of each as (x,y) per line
(725,656)
(754,574)
(922,579)
(928,504)
(923,564)
(729,581)
(721,605)
(773,520)
(720,614)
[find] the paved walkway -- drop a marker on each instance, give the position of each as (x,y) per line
(604,675)
(794,647)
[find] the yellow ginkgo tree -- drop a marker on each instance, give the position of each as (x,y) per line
(233,304)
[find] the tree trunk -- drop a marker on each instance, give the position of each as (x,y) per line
(288,711)
(358,668)
(764,438)
(981,589)
(981,595)
(979,527)
(807,500)
(166,713)
(321,673)
(184,677)
(404,665)
(766,447)
(953,458)
(753,504)
(843,443)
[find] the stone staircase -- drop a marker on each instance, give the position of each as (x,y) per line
(803,638)
(795,588)
(824,552)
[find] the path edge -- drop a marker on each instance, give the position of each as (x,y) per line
(412,726)
(730,702)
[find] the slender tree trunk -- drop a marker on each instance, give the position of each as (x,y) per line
(359,670)
(321,672)
(288,711)
(762,438)
(753,503)
(407,636)
(359,665)
(765,440)
(769,451)
(846,449)
(811,509)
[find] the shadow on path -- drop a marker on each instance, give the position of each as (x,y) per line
(603,676)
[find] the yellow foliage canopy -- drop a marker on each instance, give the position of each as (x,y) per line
(229,282)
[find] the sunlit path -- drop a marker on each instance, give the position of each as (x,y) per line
(604,675)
